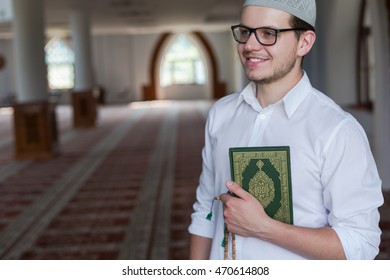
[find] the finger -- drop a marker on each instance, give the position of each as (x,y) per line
(234,188)
(225,197)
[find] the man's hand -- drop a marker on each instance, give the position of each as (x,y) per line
(245,216)
(243,213)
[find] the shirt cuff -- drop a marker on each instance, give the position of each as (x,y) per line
(355,246)
(202,227)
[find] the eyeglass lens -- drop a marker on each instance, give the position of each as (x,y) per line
(265,36)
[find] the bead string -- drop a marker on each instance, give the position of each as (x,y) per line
(226,236)
(226,249)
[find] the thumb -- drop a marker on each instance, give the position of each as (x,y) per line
(237,190)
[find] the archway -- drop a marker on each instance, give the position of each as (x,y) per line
(150,90)
(184,70)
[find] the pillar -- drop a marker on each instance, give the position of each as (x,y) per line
(83,99)
(380,20)
(34,116)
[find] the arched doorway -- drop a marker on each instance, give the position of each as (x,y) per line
(183,72)
(150,90)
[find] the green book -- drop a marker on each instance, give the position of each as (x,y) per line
(265,172)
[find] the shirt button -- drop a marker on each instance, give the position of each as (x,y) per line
(262,117)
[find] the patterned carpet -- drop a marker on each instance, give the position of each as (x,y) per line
(123,190)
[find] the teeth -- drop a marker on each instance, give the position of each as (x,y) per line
(255,59)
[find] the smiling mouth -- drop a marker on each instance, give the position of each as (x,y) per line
(256,59)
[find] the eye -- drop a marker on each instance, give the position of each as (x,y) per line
(268,33)
(244,32)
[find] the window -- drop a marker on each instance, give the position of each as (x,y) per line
(60,63)
(182,64)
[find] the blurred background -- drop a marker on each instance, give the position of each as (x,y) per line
(103,104)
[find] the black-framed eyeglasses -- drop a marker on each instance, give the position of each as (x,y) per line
(264,35)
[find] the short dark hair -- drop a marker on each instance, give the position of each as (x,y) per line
(301,24)
(298,23)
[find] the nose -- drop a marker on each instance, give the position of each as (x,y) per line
(252,43)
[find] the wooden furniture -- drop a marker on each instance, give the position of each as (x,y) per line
(35,130)
(84,109)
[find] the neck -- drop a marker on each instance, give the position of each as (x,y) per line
(268,94)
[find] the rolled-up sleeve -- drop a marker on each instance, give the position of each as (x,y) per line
(352,190)
(200,225)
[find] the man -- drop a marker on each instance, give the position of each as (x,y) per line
(336,189)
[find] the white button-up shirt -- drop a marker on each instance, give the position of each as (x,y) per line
(334,177)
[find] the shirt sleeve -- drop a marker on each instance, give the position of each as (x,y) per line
(352,190)
(205,193)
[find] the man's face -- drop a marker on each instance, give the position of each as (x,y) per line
(267,64)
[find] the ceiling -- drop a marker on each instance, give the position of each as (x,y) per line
(138,16)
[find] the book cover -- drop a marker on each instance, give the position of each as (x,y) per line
(265,172)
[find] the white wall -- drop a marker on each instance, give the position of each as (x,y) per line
(113,67)
(123,62)
(341,33)
(223,46)
(185,92)
(316,63)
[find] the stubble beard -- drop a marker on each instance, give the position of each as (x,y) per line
(279,73)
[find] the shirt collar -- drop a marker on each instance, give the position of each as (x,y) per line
(248,94)
(292,100)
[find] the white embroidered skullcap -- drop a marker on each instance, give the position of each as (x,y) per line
(302,9)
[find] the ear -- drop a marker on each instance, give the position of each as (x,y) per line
(306,42)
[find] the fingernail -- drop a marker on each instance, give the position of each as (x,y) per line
(229,183)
